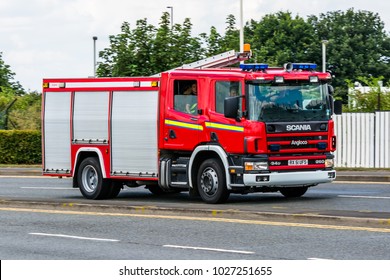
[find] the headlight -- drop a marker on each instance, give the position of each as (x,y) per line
(253,166)
(329,162)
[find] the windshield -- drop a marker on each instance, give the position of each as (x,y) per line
(288,102)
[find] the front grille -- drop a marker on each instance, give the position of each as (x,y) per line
(298,152)
(304,143)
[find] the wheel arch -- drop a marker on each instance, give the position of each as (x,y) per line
(84,153)
(202,153)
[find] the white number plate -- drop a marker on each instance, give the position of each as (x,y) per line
(298,162)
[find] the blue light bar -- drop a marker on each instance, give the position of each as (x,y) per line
(304,66)
(253,66)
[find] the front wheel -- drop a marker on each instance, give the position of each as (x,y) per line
(293,191)
(212,182)
(90,180)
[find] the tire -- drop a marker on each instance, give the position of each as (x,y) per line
(211,182)
(90,180)
(293,192)
(114,189)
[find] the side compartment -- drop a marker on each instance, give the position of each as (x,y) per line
(56,133)
(90,120)
(134,134)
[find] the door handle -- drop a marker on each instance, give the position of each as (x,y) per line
(213,137)
(193,119)
(172,134)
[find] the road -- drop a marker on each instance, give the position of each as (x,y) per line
(47,219)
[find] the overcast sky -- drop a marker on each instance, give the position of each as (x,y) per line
(53,38)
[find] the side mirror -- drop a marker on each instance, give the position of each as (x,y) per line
(231,107)
(338,107)
(330,90)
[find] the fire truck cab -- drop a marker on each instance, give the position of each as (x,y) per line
(210,131)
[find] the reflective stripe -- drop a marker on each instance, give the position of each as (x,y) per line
(225,126)
(184,124)
(194,108)
(208,124)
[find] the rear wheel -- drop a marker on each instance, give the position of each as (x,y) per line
(293,191)
(212,182)
(90,180)
(114,189)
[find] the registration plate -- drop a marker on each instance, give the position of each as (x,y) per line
(298,162)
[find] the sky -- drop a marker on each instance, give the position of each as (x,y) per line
(53,38)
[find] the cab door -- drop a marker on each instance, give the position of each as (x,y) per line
(181,127)
(227,132)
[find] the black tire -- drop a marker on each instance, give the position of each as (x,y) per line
(90,180)
(114,189)
(293,191)
(211,182)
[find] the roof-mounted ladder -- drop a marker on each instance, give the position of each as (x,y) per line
(215,61)
(219,60)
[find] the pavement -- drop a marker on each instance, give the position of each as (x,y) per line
(371,175)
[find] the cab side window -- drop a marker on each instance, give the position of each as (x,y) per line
(225,89)
(186,96)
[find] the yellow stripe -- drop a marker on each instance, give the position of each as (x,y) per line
(183,124)
(225,126)
(204,219)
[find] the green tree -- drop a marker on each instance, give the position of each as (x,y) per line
(26,113)
(279,38)
(118,57)
(213,42)
(375,98)
(18,109)
(182,50)
(129,53)
(143,37)
(358,45)
(162,57)
(7,77)
(148,50)
(231,38)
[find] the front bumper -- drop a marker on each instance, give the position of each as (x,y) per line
(289,179)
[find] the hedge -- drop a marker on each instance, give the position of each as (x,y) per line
(20,147)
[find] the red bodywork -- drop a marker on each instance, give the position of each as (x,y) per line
(234,136)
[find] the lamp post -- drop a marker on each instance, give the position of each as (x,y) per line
(94,55)
(324,43)
(170,7)
(241,29)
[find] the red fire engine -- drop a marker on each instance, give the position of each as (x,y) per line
(212,131)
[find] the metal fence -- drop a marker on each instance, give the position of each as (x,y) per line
(363,140)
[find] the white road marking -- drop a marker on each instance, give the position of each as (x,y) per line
(74,237)
(210,249)
(364,196)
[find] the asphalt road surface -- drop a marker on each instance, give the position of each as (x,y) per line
(46,219)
